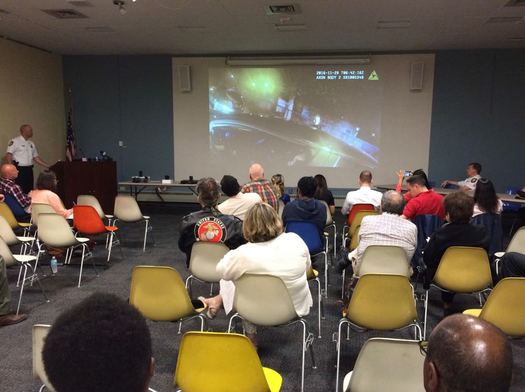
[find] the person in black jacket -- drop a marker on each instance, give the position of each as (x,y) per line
(209,224)
(457,232)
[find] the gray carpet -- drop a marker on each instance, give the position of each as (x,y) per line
(279,348)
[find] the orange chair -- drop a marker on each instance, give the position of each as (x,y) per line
(351,215)
(87,221)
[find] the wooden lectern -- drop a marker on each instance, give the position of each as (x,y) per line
(87,178)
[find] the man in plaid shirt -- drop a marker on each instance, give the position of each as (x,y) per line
(8,186)
(260,185)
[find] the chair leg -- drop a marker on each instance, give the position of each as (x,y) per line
(343,275)
(19,275)
(303,355)
(109,246)
(338,353)
(230,323)
(425,319)
(326,274)
(211,289)
(145,235)
(81,263)
(21,289)
(319,307)
(189,280)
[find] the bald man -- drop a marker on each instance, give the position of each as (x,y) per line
(258,184)
(467,354)
(8,186)
(23,154)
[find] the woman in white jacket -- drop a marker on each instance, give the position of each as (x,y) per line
(269,251)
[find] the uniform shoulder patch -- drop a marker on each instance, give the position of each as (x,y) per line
(11,142)
(210,229)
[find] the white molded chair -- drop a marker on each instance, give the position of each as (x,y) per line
(204,259)
(54,231)
(264,300)
(127,210)
(394,365)
(40,332)
(11,239)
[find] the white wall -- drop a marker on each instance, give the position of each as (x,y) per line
(31,91)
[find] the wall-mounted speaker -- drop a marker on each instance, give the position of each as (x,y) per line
(417,74)
(184,75)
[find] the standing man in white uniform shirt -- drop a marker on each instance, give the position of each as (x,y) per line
(469,183)
(364,195)
(22,153)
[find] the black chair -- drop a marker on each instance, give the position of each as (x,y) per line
(492,223)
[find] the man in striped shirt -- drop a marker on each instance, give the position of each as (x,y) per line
(260,186)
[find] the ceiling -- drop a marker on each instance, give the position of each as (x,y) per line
(193,27)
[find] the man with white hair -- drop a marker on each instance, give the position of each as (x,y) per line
(260,186)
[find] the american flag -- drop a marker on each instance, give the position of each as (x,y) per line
(70,138)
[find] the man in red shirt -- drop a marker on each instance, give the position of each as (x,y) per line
(423,201)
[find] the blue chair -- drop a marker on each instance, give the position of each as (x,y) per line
(426,225)
(316,244)
(492,223)
(12,203)
(509,206)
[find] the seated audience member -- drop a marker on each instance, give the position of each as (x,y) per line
(457,232)
(305,207)
(209,224)
(237,203)
(468,184)
(364,195)
(6,316)
(385,229)
(485,198)
(101,344)
(269,251)
(46,186)
(521,211)
(323,193)
(423,201)
(258,184)
(401,177)
(512,264)
(467,354)
(8,186)
(278,188)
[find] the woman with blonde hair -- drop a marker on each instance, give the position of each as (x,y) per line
(278,188)
(269,251)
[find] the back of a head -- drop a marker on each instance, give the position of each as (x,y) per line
(459,207)
(485,195)
(7,171)
(46,180)
(421,172)
(392,202)
(208,192)
(256,171)
(307,186)
(417,179)
(278,183)
(230,186)
(365,177)
(469,355)
(261,223)
(101,344)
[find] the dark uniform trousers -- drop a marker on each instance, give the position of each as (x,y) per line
(25,178)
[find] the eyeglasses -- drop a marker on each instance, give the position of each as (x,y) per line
(423,347)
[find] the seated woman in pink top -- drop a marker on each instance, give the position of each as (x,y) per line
(46,186)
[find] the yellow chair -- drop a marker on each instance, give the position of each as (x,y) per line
(158,292)
(356,225)
(462,270)
(203,262)
(379,302)
(393,365)
(505,307)
(6,212)
(39,334)
(264,300)
(222,362)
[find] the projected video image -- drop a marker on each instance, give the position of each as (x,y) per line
(300,116)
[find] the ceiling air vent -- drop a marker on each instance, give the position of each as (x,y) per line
(515,3)
(504,19)
(65,14)
(283,9)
